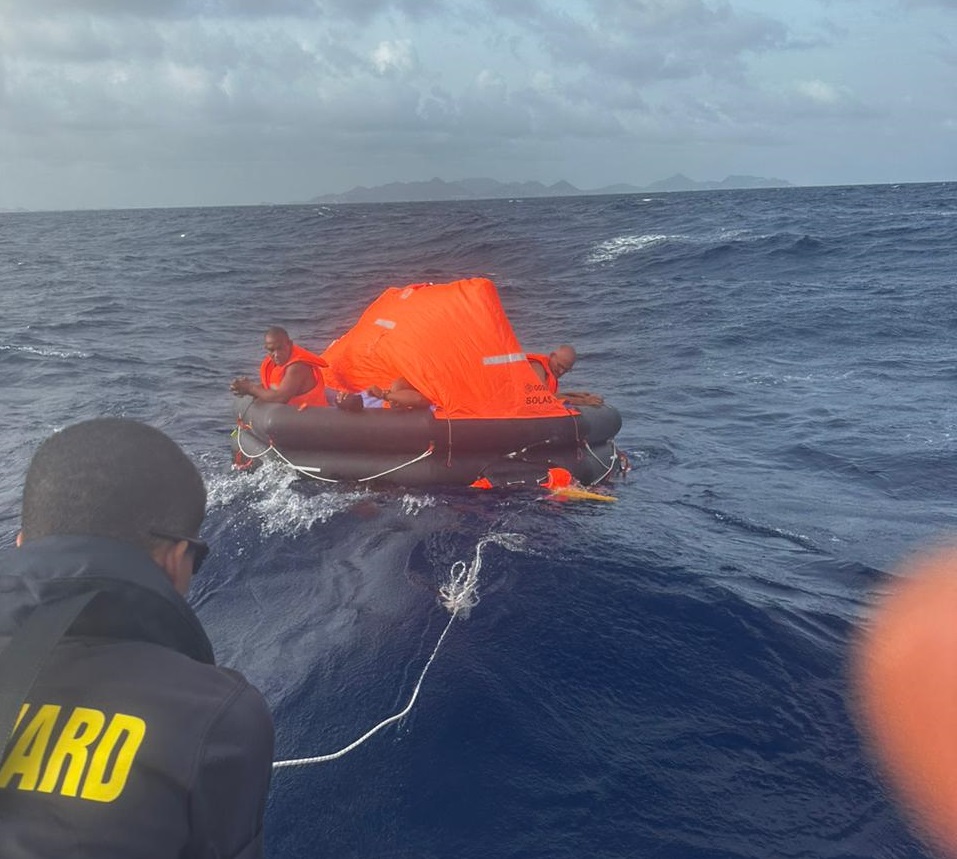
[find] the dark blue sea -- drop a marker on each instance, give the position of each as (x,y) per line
(662,676)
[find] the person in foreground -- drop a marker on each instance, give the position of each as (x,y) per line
(550,368)
(288,374)
(129,741)
(905,692)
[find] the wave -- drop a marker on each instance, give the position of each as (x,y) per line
(709,247)
(611,249)
(45,352)
(278,502)
(753,527)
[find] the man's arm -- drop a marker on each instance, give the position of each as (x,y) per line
(228,798)
(405,396)
(401,395)
(297,381)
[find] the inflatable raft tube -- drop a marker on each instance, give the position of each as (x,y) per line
(412,448)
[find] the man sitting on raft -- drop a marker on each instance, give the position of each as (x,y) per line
(288,374)
(550,368)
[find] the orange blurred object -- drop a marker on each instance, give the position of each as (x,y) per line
(905,674)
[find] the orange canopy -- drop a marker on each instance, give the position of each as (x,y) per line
(450,341)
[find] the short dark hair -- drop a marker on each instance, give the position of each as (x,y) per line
(112,477)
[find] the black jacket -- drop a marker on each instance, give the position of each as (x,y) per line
(133,744)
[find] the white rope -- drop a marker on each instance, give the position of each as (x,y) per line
(313,471)
(272,448)
(459,596)
(426,453)
(318,759)
(601,462)
(242,450)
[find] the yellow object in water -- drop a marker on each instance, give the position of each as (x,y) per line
(579,494)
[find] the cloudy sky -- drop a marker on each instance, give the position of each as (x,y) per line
(115,103)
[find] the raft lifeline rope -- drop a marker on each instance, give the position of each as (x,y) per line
(459,595)
(313,472)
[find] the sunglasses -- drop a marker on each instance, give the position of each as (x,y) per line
(200,547)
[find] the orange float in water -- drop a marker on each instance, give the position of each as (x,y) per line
(905,673)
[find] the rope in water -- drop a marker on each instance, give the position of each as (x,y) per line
(459,595)
(611,464)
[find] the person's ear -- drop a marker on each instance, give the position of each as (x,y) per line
(176,561)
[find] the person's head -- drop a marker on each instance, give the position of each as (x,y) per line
(120,479)
(562,360)
(278,344)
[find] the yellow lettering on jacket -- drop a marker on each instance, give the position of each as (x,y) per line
(20,715)
(81,729)
(123,735)
(90,756)
(26,754)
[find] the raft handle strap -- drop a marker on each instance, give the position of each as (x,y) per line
(520,454)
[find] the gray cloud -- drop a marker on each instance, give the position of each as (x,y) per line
(324,93)
(644,42)
(79,41)
(354,10)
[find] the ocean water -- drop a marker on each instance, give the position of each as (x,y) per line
(662,676)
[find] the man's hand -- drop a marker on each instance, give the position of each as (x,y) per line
(581,398)
(241,387)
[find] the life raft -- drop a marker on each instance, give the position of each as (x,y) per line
(413,447)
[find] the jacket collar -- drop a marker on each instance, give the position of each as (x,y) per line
(137,600)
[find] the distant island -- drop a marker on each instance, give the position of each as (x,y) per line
(490,189)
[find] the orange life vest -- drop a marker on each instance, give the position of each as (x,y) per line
(271,374)
(550,379)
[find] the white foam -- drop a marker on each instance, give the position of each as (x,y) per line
(611,249)
(266,495)
(48,352)
(412,505)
